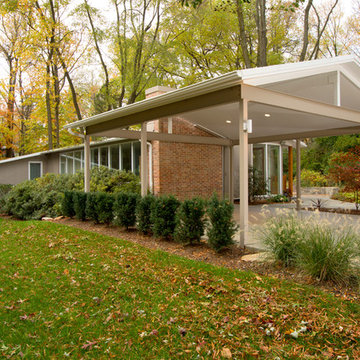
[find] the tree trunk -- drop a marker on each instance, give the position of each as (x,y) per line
(48,107)
(103,64)
(261,30)
(306,31)
(242,33)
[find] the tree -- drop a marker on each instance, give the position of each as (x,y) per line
(345,168)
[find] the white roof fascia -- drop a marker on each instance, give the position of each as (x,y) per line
(289,71)
(349,76)
(218,83)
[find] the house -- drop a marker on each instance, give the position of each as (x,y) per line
(194,131)
(124,154)
(261,105)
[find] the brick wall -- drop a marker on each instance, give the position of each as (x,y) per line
(185,170)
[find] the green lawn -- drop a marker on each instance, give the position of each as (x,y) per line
(68,293)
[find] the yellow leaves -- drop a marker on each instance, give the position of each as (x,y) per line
(66,272)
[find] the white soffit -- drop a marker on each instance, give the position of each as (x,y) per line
(281,121)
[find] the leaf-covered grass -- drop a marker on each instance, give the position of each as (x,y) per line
(71,293)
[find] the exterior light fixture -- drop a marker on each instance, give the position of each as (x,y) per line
(267,115)
(228,121)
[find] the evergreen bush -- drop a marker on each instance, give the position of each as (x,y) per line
(190,223)
(143,214)
(104,207)
(222,227)
(27,201)
(79,199)
(4,190)
(163,212)
(91,207)
(67,204)
(125,209)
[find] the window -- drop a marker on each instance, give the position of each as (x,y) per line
(77,161)
(35,169)
(104,160)
(114,157)
(274,168)
(136,157)
(62,164)
(70,163)
(126,156)
(94,157)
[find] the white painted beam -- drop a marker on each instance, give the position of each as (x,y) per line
(298,175)
(176,138)
(285,101)
(87,163)
(243,172)
(144,161)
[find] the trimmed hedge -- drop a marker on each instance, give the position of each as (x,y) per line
(67,204)
(163,212)
(190,223)
(222,227)
(125,209)
(143,214)
(79,199)
(91,207)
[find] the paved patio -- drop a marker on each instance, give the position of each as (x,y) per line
(259,214)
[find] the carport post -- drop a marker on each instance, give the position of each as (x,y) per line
(86,163)
(298,175)
(230,175)
(144,160)
(243,171)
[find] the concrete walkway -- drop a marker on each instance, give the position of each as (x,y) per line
(260,214)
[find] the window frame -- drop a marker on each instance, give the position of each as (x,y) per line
(35,162)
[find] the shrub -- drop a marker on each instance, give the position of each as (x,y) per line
(125,209)
(143,214)
(79,199)
(104,207)
(163,216)
(91,207)
(221,225)
(282,236)
(27,201)
(67,205)
(278,199)
(4,190)
(311,178)
(190,222)
(328,253)
(109,180)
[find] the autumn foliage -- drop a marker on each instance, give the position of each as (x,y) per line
(345,169)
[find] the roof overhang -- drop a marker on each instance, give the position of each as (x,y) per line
(215,104)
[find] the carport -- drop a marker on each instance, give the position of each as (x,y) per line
(280,102)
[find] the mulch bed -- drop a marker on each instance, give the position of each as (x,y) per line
(229,258)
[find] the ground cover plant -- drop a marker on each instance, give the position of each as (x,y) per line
(68,293)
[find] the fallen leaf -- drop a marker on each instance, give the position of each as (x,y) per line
(226,353)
